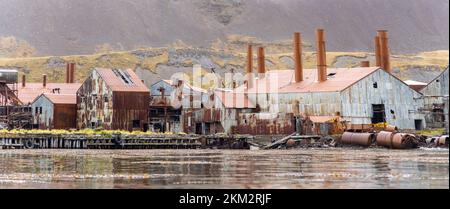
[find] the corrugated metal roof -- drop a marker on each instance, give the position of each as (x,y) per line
(31,91)
(283,80)
(130,82)
(61,98)
(233,100)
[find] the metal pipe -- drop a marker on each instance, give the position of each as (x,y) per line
(298,58)
(23,81)
(68,73)
(377,51)
(44,80)
(72,72)
(365,64)
(385,56)
(261,62)
(321,56)
(250,66)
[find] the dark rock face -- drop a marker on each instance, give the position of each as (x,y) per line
(62,27)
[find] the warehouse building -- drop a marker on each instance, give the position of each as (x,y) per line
(113,99)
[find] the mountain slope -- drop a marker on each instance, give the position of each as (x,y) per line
(63,27)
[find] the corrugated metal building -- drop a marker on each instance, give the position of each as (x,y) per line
(164,115)
(113,99)
(358,96)
(436,101)
(54,111)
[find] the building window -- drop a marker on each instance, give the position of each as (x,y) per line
(36,110)
(136,123)
(105,99)
(40,110)
(375,85)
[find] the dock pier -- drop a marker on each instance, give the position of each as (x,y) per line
(69,141)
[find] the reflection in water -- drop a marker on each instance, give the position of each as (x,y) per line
(311,168)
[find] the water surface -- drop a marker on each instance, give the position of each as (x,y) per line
(300,168)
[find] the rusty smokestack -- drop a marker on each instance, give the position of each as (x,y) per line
(261,62)
(72,73)
(250,66)
(23,81)
(321,56)
(68,73)
(385,55)
(44,80)
(298,58)
(365,64)
(377,51)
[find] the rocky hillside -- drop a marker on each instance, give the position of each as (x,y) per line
(152,64)
(67,27)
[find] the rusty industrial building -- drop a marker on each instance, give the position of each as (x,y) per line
(16,110)
(436,101)
(113,99)
(54,111)
(320,101)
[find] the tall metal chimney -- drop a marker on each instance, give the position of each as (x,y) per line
(298,58)
(44,80)
(321,56)
(377,51)
(365,64)
(68,73)
(385,55)
(261,62)
(72,72)
(249,66)
(23,81)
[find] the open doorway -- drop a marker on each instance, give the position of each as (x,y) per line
(418,124)
(378,113)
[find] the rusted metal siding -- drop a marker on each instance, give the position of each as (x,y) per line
(94,103)
(64,116)
(401,102)
(264,124)
(44,117)
(129,107)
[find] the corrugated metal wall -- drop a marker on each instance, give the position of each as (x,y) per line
(43,118)
(401,102)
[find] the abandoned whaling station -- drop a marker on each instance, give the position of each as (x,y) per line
(365,106)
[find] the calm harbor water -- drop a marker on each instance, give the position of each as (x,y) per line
(300,168)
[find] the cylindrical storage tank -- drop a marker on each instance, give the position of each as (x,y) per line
(384,138)
(363,139)
(9,76)
(403,141)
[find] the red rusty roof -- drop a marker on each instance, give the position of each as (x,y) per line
(61,98)
(283,80)
(32,90)
(117,83)
(233,100)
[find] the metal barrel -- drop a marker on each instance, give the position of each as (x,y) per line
(363,139)
(384,138)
